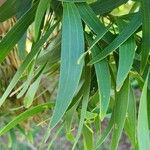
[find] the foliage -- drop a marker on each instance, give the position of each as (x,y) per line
(101,51)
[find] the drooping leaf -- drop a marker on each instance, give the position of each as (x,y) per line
(126,57)
(29,97)
(120,112)
(27,61)
(86,94)
(13,139)
(103,79)
(104,6)
(70,71)
(88,138)
(27,83)
(145,4)
(23,116)
(22,41)
(11,8)
(131,121)
(16,32)
(120,39)
(143,128)
(90,18)
(69,121)
(41,9)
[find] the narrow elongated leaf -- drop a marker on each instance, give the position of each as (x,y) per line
(88,138)
(70,71)
(94,42)
(22,41)
(14,35)
(126,57)
(143,129)
(148,106)
(29,97)
(105,6)
(39,16)
(103,79)
(25,64)
(11,8)
(91,19)
(145,5)
(131,122)
(13,139)
(23,116)
(31,92)
(69,120)
(119,113)
(26,84)
(120,39)
(86,93)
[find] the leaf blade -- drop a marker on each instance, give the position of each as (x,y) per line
(72,48)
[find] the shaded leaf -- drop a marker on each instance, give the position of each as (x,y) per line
(120,112)
(27,61)
(88,138)
(143,129)
(103,80)
(126,57)
(120,39)
(145,5)
(16,32)
(41,9)
(23,116)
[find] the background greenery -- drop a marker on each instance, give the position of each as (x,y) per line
(71,65)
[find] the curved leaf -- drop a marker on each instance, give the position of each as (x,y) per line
(70,71)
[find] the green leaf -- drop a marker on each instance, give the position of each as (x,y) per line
(143,129)
(41,9)
(120,112)
(23,116)
(73,1)
(16,32)
(86,94)
(90,18)
(27,83)
(88,138)
(131,122)
(22,42)
(11,7)
(13,140)
(103,80)
(29,97)
(70,71)
(120,39)
(145,5)
(105,6)
(148,106)
(27,61)
(69,121)
(126,56)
